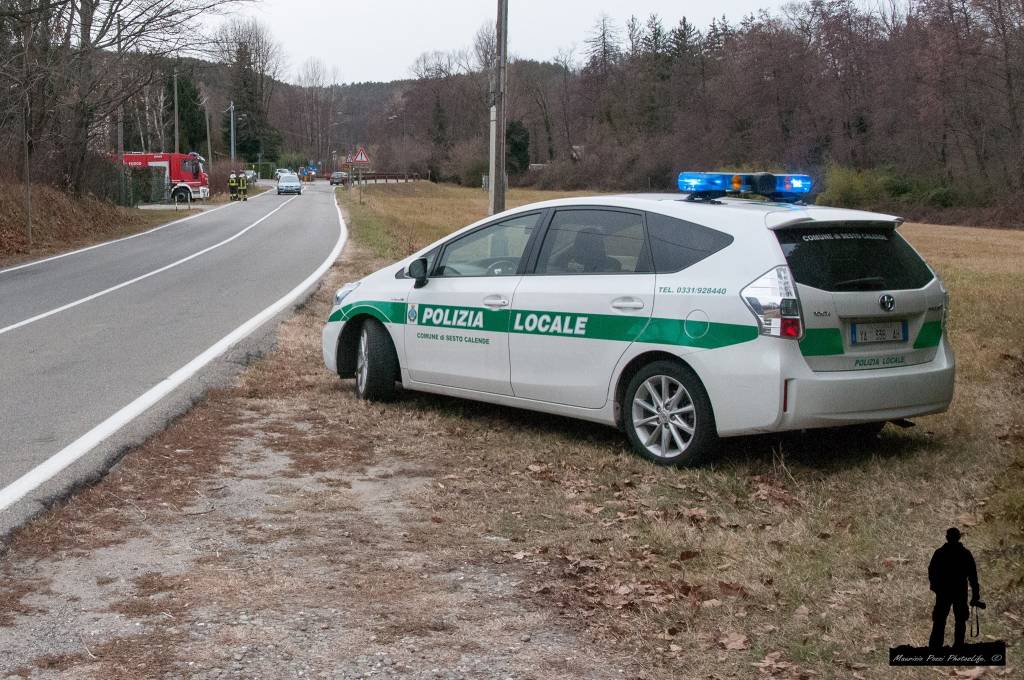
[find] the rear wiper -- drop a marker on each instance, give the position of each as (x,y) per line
(865,283)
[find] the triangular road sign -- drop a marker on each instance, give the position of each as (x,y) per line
(361,157)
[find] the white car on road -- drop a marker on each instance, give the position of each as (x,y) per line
(680,318)
(289,184)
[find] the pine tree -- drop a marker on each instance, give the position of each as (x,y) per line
(254,136)
(604,45)
(191,117)
(517,144)
(684,40)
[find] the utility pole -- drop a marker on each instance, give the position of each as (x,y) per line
(120,119)
(26,125)
(232,110)
(209,147)
(497,169)
(176,148)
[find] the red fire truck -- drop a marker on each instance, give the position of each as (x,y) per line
(186,178)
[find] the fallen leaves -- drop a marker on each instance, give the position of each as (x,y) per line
(769,490)
(774,665)
(736,589)
(734,641)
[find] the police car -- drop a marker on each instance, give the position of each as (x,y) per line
(680,318)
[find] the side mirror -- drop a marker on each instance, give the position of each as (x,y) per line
(418,270)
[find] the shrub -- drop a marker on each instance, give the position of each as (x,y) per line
(849,188)
(884,189)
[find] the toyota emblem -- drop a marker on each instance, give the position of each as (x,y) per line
(887,302)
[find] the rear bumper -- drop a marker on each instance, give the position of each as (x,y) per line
(828,399)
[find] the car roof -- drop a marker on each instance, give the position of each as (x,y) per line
(727,214)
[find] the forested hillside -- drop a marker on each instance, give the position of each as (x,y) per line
(917,103)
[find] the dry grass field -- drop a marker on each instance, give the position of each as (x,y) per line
(284,526)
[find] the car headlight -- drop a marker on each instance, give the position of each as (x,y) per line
(343,292)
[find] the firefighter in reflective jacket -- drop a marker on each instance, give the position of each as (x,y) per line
(951,570)
(233,187)
(243,186)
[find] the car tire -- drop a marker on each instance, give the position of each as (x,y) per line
(376,363)
(667,415)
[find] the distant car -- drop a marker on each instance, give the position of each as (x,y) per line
(289,184)
(339,178)
(250,176)
(282,171)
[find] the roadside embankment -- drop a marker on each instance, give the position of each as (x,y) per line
(62,222)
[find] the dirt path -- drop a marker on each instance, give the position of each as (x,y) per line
(258,538)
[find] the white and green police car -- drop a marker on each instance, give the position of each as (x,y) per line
(680,318)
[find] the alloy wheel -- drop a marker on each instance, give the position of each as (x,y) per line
(663,416)
(362,362)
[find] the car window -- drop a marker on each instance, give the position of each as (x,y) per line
(852,256)
(492,251)
(678,244)
(594,241)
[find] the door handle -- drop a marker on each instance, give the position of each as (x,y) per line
(495,302)
(627,303)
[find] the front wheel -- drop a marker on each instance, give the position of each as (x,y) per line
(667,415)
(376,363)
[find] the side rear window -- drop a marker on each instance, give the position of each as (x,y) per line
(594,241)
(678,244)
(852,256)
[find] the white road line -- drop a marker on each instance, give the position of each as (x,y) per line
(62,308)
(45,471)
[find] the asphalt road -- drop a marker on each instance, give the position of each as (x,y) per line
(85,335)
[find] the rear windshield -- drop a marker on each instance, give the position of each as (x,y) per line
(850,256)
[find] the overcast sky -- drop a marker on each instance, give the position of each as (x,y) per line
(380,39)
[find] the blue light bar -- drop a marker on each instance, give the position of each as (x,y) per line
(737,183)
(698,182)
(793,184)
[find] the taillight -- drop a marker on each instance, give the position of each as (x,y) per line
(773,300)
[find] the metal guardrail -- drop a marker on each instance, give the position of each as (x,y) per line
(384,177)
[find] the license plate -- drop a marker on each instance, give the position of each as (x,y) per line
(884,331)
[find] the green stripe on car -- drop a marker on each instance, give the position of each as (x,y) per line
(821,342)
(702,334)
(385,312)
(929,335)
